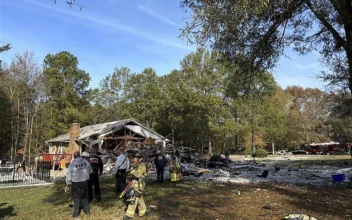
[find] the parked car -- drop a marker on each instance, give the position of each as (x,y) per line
(284,152)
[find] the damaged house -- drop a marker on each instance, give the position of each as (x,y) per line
(107,138)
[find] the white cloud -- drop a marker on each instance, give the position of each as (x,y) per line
(117,26)
(310,81)
(157,16)
(314,65)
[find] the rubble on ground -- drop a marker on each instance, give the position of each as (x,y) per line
(249,172)
(299,217)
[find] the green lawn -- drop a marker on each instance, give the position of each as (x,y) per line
(188,200)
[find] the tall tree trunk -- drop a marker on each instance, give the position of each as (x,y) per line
(236,144)
(223,147)
(252,131)
(236,136)
(172,133)
(12,132)
(26,129)
(30,139)
(252,140)
(12,125)
(273,146)
(36,132)
(17,134)
(348,31)
(349,58)
(210,150)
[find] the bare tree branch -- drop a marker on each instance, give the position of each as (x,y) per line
(341,42)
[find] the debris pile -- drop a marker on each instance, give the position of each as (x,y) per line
(247,172)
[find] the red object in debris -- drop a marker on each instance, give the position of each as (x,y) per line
(55,158)
(336,148)
(317,149)
(324,148)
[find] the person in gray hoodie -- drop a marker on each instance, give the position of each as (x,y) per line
(77,175)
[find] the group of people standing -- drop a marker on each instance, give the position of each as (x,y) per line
(83,173)
(175,168)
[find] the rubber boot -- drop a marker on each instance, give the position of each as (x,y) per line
(125,217)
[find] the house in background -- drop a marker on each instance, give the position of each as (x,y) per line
(105,137)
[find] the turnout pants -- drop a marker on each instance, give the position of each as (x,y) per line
(80,194)
(174,177)
(139,204)
(94,181)
(121,176)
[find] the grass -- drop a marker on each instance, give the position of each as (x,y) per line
(187,200)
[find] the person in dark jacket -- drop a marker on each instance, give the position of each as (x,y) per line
(160,163)
(97,166)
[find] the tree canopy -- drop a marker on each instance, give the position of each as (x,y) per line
(259,31)
(66,89)
(208,104)
(4,48)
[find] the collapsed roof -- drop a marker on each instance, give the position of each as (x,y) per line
(91,134)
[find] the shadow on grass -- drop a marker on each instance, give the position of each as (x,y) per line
(107,190)
(220,201)
(193,200)
(6,211)
(326,202)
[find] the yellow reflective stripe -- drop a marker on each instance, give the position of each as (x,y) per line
(130,213)
(142,212)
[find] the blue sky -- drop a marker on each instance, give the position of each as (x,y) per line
(114,33)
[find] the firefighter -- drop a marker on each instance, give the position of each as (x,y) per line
(138,173)
(160,163)
(97,166)
(179,170)
(175,170)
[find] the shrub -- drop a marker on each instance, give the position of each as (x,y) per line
(261,153)
(247,151)
(215,158)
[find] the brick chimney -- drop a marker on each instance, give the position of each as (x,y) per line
(74,133)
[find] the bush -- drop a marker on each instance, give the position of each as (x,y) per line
(216,161)
(247,151)
(215,158)
(261,153)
